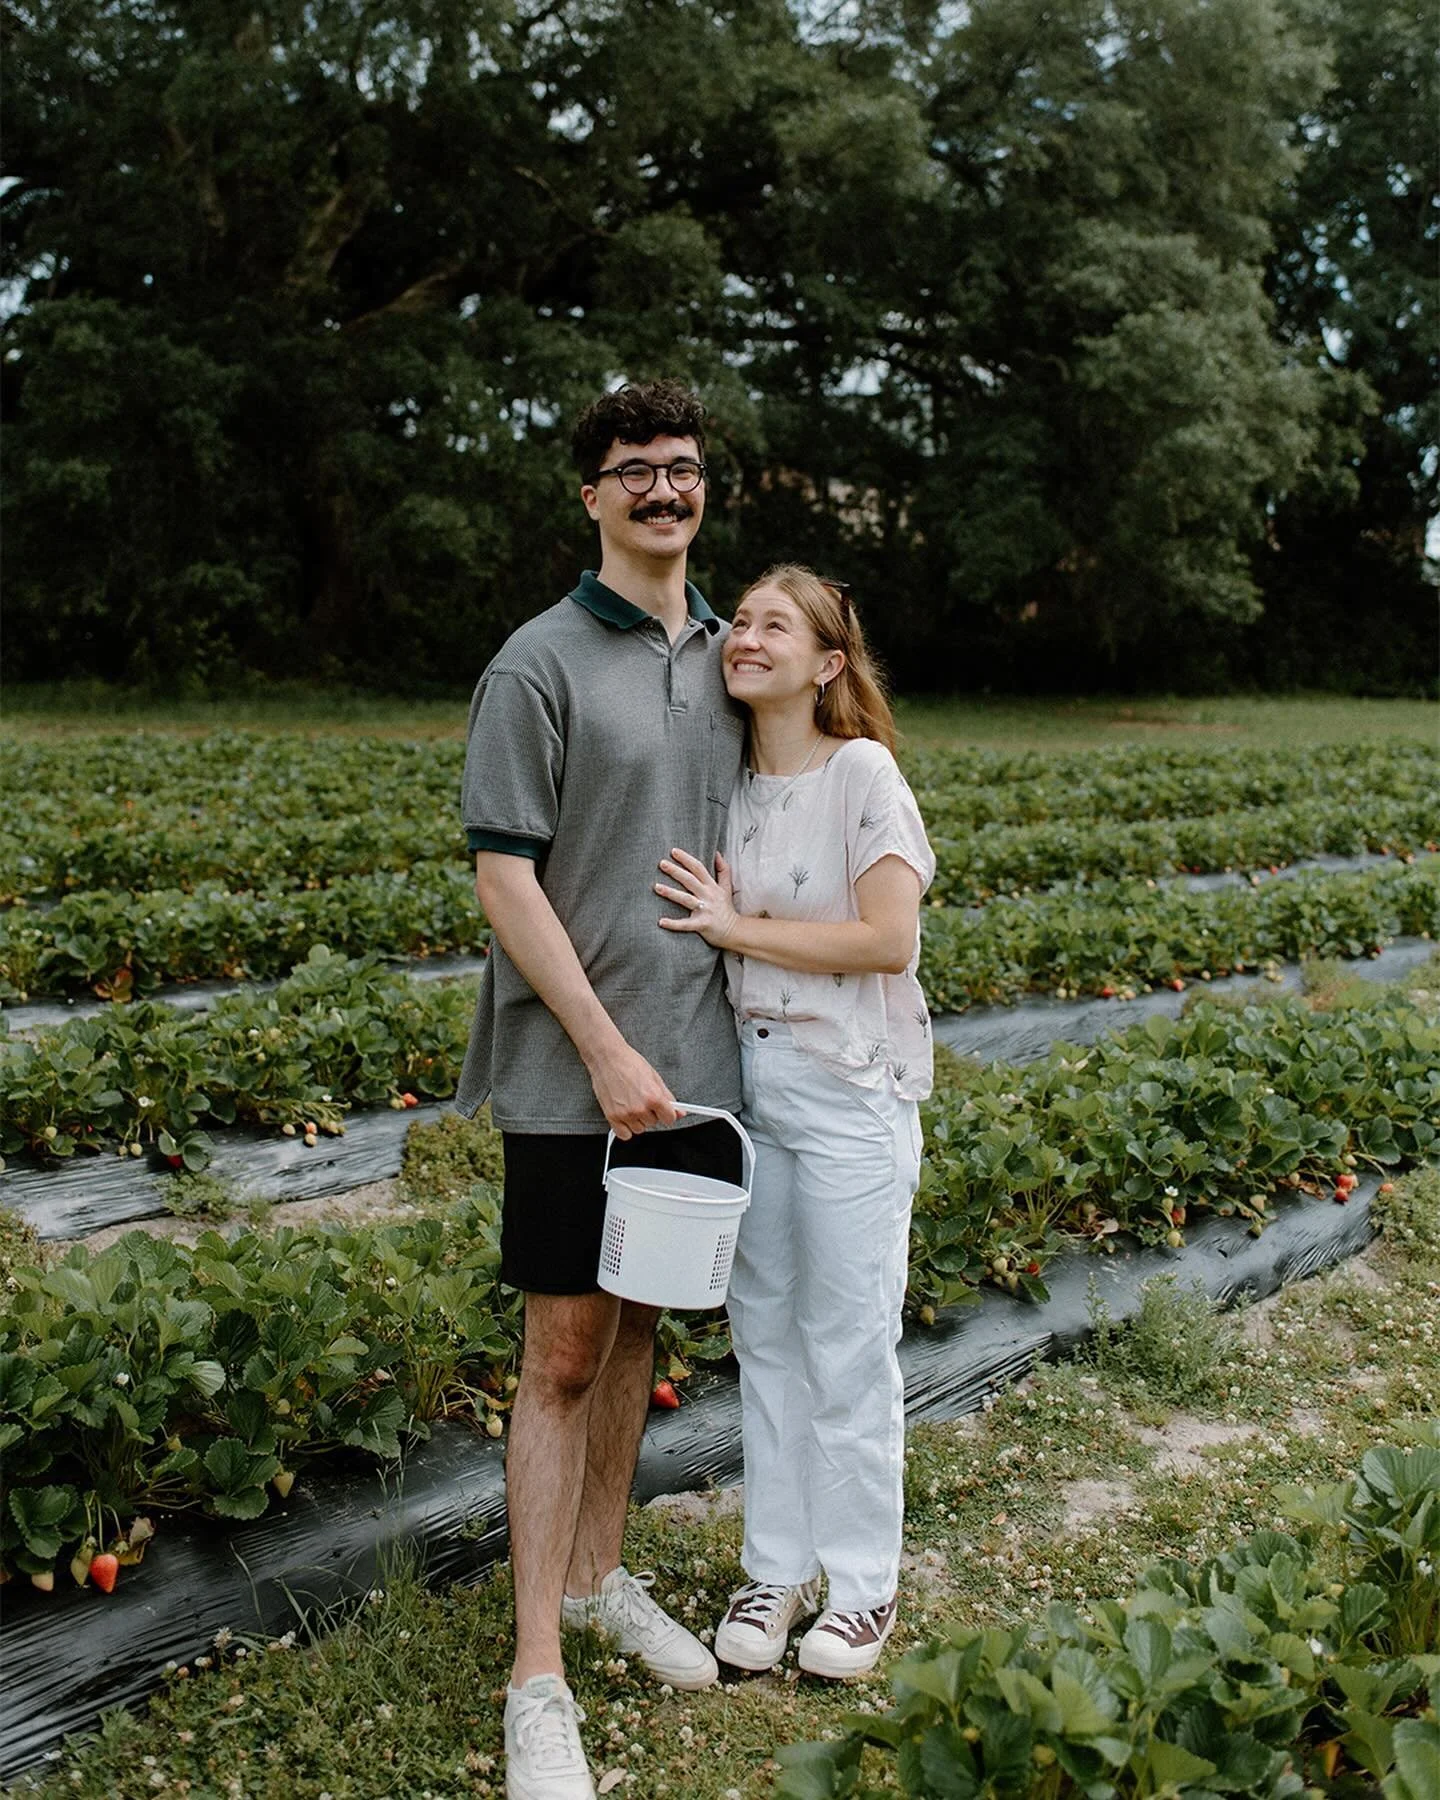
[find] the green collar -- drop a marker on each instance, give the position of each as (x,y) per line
(615,609)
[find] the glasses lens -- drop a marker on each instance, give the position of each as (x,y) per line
(640,477)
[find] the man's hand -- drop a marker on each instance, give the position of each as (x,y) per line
(631,1095)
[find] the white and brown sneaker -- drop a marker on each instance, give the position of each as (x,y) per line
(756,1627)
(841,1644)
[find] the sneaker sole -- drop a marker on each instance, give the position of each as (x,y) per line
(812,1664)
(753,1660)
(690,1683)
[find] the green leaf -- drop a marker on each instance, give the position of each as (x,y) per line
(1168,1763)
(43,1515)
(1148,1642)
(206,1377)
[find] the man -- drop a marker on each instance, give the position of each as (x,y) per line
(600,737)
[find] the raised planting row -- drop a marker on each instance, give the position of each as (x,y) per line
(336,1033)
(119,944)
(1229,1109)
(314,852)
(143,811)
(1005,859)
(1090,937)
(961,790)
(1113,938)
(1244,1675)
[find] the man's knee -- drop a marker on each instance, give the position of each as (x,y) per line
(567,1343)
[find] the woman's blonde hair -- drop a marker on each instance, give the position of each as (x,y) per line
(854,704)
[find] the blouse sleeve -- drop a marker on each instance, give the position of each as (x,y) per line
(883,820)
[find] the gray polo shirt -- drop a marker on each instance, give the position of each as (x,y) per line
(595,747)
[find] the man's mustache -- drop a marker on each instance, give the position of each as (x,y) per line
(661,509)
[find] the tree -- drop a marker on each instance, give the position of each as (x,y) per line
(1354,278)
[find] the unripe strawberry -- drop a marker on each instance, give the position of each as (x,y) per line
(1174,1239)
(44,1580)
(493,1427)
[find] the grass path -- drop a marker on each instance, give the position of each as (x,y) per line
(82,709)
(1171,1441)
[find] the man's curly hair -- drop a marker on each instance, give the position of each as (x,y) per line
(635,414)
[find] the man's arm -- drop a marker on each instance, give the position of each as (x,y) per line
(631,1094)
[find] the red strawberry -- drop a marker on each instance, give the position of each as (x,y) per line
(1032,1268)
(1176,983)
(408,1100)
(176,1162)
(1107,993)
(105,1571)
(1177,1215)
(663,1394)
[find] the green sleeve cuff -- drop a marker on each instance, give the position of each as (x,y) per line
(507,844)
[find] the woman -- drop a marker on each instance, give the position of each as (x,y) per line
(816,902)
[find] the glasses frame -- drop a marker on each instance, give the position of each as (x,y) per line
(656,471)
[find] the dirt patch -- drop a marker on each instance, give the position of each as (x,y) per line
(1087,1501)
(928,1573)
(700,1506)
(1178,1443)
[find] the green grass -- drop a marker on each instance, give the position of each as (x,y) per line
(1058,1491)
(73,708)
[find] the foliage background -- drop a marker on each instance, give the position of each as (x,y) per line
(1095,342)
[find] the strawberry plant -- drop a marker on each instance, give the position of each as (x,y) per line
(1229,1677)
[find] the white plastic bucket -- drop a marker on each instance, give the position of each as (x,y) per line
(670,1237)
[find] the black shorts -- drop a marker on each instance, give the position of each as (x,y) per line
(554,1216)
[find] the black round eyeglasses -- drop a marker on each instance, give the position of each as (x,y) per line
(639,477)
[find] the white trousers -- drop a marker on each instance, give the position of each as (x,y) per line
(814,1306)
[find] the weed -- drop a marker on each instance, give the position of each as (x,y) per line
(1176,1350)
(19,1244)
(445,1159)
(1409,1213)
(196,1195)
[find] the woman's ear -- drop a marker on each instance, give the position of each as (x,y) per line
(831,666)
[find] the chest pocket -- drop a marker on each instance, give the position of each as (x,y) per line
(727,746)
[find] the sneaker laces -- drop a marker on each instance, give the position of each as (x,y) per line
(843,1624)
(757,1603)
(632,1609)
(543,1729)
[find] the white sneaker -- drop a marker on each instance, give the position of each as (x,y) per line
(544,1759)
(624,1611)
(842,1644)
(756,1627)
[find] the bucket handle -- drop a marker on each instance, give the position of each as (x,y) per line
(708,1112)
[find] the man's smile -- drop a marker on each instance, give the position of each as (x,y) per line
(662,512)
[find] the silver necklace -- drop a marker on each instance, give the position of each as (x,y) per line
(770,799)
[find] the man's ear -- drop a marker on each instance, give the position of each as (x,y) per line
(590,498)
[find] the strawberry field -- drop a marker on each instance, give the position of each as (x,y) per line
(315,878)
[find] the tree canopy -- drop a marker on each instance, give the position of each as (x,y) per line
(1092,340)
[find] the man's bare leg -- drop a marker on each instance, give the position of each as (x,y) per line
(618,1406)
(568,1344)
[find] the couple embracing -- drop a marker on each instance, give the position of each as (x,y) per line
(703,871)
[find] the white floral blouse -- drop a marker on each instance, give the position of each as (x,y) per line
(796,849)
